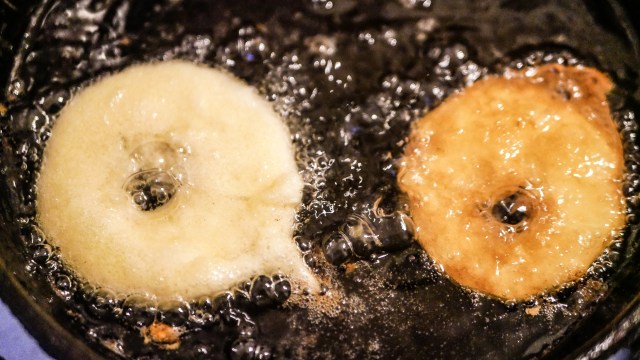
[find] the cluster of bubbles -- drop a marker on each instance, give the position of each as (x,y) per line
(361,238)
(157,174)
(628,126)
(150,189)
(229,311)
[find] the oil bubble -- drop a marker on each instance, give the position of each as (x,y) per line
(202,311)
(202,351)
(54,102)
(249,350)
(337,248)
(411,4)
(311,260)
(281,288)
(102,302)
(16,89)
(332,7)
(361,236)
(157,174)
(35,236)
(64,286)
(151,189)
(52,265)
(247,329)
(262,293)
(304,244)
(223,301)
(139,311)
(321,45)
(269,291)
(42,253)
(204,304)
(395,232)
(174,313)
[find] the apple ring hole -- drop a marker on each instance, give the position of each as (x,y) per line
(156,177)
(513,209)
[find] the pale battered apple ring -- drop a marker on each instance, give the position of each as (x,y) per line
(515,183)
(172,180)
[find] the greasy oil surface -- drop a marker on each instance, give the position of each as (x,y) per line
(349,78)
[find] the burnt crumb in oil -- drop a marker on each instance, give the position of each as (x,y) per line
(348,78)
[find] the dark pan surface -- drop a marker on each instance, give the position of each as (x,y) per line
(397,60)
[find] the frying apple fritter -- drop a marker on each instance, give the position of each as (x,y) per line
(173,180)
(515,183)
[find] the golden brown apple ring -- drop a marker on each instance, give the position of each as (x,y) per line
(515,183)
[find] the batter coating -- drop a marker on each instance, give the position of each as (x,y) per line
(515,183)
(173,180)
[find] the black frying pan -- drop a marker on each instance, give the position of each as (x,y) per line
(603,328)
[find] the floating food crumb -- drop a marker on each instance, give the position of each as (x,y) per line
(162,335)
(533,311)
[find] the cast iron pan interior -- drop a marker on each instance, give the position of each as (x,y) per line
(613,324)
